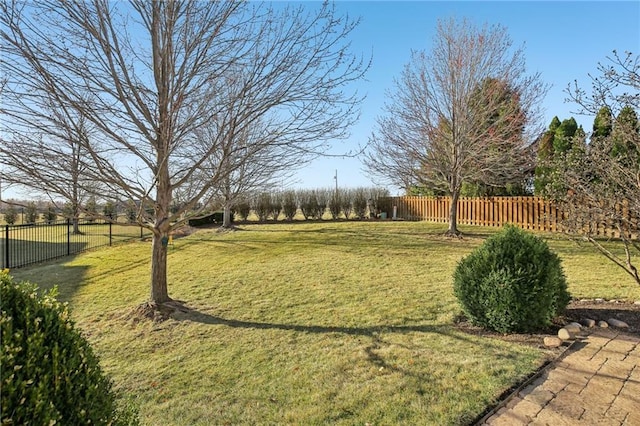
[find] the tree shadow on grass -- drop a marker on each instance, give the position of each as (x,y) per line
(68,279)
(379,340)
(20,253)
(184,313)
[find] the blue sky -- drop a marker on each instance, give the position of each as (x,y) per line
(564,41)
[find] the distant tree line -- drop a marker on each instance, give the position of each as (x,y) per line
(310,204)
(313,204)
(27,212)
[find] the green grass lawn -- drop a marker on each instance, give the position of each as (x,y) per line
(306,323)
(33,244)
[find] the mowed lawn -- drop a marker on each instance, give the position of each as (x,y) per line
(305,323)
(35,243)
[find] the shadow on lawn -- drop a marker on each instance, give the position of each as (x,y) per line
(376,350)
(203,318)
(184,313)
(17,253)
(69,279)
(341,238)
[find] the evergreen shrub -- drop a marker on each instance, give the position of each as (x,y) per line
(49,373)
(511,283)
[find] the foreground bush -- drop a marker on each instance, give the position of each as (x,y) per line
(512,283)
(49,373)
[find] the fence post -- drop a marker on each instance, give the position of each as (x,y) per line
(110,234)
(6,246)
(68,236)
(141,230)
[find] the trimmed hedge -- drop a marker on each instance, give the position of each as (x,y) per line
(213,218)
(49,373)
(512,283)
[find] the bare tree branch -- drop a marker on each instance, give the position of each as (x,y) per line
(463,113)
(148,77)
(600,181)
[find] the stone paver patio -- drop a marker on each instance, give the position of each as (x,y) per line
(595,382)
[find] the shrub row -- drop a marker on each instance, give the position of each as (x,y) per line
(315,204)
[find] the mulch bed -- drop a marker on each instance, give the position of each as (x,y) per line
(597,309)
(602,310)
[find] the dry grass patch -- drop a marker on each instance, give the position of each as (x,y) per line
(339,323)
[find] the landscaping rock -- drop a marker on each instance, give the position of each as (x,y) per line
(617,323)
(566,334)
(573,327)
(588,322)
(603,324)
(552,342)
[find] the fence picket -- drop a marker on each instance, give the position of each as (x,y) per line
(534,213)
(22,245)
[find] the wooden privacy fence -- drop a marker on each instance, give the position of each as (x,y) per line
(534,213)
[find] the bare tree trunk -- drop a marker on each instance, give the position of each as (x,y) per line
(75,206)
(161,230)
(159,291)
(453,214)
(226,216)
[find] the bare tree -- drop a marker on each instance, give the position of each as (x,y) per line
(249,149)
(463,113)
(52,153)
(601,180)
(144,74)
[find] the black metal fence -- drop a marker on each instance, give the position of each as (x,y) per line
(22,245)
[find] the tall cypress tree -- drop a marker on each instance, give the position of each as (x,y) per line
(602,124)
(555,142)
(563,138)
(545,146)
(625,135)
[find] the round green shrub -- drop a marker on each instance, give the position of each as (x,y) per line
(49,373)
(511,283)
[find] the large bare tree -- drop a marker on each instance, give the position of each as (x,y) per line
(143,74)
(52,151)
(600,181)
(251,150)
(465,112)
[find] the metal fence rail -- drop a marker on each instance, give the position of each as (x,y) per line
(22,245)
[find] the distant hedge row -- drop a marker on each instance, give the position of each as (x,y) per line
(315,204)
